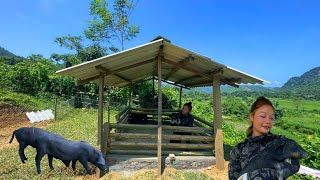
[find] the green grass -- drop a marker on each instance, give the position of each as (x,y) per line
(307,105)
(8,98)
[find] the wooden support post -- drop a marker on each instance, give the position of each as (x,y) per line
(218,140)
(108,111)
(100,119)
(180,98)
(153,90)
(159,146)
(55,107)
(130,96)
(106,133)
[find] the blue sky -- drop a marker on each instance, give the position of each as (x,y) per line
(271,39)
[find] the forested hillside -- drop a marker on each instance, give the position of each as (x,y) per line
(308,83)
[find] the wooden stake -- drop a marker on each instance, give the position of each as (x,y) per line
(130,96)
(218,140)
(180,98)
(100,118)
(159,148)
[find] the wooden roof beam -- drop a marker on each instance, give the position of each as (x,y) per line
(83,81)
(211,72)
(107,71)
(231,82)
(187,68)
(168,82)
(183,62)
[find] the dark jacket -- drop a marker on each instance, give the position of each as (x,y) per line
(249,149)
(179,119)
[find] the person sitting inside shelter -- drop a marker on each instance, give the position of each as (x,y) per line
(183,118)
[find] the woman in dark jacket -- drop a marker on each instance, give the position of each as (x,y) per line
(258,137)
(183,118)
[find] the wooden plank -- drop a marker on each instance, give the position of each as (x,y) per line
(202,120)
(218,143)
(83,81)
(150,127)
(152,152)
(151,113)
(153,109)
(188,129)
(132,126)
(122,112)
(159,144)
(125,119)
(165,136)
(164,145)
(101,144)
(106,137)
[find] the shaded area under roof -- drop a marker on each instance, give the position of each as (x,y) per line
(180,66)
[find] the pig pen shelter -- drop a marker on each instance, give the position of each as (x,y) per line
(161,60)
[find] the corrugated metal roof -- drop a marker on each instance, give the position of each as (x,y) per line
(179,65)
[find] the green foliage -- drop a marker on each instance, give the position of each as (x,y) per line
(108,26)
(28,77)
(142,92)
(83,54)
(8,98)
(311,143)
(235,106)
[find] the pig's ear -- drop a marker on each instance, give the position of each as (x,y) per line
(101,160)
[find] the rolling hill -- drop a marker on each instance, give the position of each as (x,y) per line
(8,57)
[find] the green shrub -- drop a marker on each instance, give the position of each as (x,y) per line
(235,106)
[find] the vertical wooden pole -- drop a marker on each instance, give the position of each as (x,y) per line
(130,96)
(218,142)
(106,127)
(180,99)
(159,117)
(55,107)
(153,101)
(100,118)
(108,111)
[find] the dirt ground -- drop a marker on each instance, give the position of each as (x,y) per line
(169,174)
(11,120)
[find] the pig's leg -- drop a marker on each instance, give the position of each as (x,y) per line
(74,165)
(23,157)
(85,165)
(38,159)
(66,162)
(50,158)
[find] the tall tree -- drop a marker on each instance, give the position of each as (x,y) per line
(111,27)
(108,30)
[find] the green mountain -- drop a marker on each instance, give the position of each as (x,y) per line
(4,52)
(248,88)
(8,57)
(307,82)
